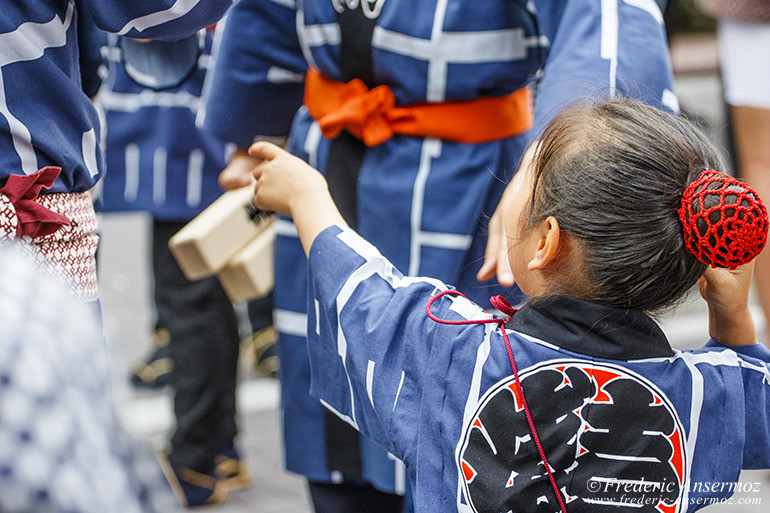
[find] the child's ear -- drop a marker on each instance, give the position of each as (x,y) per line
(548,238)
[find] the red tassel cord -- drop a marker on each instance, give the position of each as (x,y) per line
(504,306)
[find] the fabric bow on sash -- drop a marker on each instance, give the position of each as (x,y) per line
(362,112)
(373,117)
(32,219)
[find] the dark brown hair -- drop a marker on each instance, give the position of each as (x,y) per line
(612,173)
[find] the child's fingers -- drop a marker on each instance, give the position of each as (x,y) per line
(744,272)
(258,170)
(265,150)
(262,205)
(725,288)
(261,194)
(740,276)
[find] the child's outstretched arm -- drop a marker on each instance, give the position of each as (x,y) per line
(727,295)
(372,347)
(287,185)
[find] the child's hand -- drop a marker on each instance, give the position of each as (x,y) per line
(727,295)
(286,184)
(283,180)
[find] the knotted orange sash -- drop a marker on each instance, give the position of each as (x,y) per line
(373,117)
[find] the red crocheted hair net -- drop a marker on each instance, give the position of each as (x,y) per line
(724,220)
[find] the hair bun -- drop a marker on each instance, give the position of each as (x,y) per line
(724,220)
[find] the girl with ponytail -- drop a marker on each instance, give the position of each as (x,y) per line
(576,402)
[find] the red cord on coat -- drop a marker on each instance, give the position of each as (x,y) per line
(504,306)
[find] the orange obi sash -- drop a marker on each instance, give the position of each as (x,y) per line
(373,117)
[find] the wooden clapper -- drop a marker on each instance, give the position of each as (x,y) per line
(232,239)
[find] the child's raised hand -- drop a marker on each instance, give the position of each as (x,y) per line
(286,184)
(283,180)
(727,295)
(727,290)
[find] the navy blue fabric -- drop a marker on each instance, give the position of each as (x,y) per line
(45,118)
(425,203)
(157,159)
(439,396)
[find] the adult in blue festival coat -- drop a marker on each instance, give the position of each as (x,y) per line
(433,195)
(160,163)
(48,124)
(157,160)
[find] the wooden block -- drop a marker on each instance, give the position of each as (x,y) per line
(207,242)
(249,274)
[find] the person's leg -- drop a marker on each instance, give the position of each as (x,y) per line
(154,371)
(204,347)
(263,336)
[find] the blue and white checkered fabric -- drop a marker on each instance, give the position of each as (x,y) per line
(61,449)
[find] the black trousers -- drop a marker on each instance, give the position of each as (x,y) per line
(353,498)
(204,347)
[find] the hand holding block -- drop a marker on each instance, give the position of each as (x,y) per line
(207,242)
(249,273)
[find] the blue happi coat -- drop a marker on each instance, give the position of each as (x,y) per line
(157,159)
(424,202)
(45,118)
(626,423)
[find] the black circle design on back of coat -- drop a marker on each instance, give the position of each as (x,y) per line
(613,440)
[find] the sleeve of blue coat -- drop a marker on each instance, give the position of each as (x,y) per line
(90,40)
(257,83)
(369,339)
(755,369)
(155,19)
(603,48)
